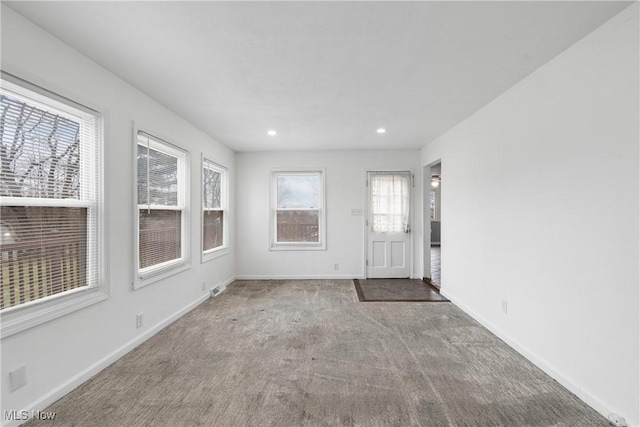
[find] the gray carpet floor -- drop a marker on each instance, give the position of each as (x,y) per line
(307,353)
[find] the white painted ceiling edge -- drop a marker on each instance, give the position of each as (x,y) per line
(325,75)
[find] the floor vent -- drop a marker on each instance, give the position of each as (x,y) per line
(215,291)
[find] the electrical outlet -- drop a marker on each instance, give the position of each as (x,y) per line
(505,306)
(18,378)
(139,321)
(336,266)
(204,286)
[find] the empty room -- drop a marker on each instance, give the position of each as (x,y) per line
(320,213)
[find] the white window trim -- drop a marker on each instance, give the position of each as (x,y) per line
(149,275)
(14,320)
(210,254)
(298,246)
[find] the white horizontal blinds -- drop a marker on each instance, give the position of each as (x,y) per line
(298,207)
(49,188)
(390,200)
(160,202)
(213,179)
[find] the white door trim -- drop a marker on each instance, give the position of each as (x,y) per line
(426,221)
(426,231)
(366,216)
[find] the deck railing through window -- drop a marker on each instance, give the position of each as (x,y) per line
(297,232)
(158,245)
(39,268)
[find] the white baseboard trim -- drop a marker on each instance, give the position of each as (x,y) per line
(305,277)
(571,385)
(81,377)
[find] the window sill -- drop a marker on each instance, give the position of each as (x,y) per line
(296,247)
(19,319)
(154,275)
(215,253)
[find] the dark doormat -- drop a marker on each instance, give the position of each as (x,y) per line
(396,290)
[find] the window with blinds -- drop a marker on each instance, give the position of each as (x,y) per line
(298,210)
(161,188)
(49,209)
(214,208)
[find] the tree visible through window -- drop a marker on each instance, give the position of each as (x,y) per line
(49,155)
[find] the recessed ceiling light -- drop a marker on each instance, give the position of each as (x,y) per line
(381,130)
(272,132)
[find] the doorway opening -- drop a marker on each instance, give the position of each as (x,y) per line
(435,220)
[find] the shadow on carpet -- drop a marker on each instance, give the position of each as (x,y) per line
(396,290)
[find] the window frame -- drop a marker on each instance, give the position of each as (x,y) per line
(148,275)
(213,253)
(24,316)
(321,245)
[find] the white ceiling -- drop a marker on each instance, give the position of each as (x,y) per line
(325,75)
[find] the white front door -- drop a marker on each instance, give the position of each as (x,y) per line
(388,224)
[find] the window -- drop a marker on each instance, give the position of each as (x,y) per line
(390,199)
(161,212)
(50,206)
(214,210)
(298,210)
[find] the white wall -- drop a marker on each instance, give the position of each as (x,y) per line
(63,352)
(528,180)
(345,190)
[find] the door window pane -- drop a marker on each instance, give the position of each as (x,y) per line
(390,202)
